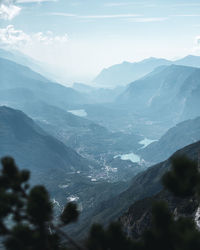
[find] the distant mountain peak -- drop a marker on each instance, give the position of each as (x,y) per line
(190,60)
(170,92)
(191,56)
(17,76)
(126,62)
(127,72)
(151,59)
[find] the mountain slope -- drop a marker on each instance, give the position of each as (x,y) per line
(138,218)
(20,58)
(145,184)
(126,72)
(34,149)
(190,60)
(65,173)
(27,91)
(99,95)
(169,93)
(89,139)
(16,76)
(177,137)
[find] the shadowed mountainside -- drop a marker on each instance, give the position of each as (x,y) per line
(177,137)
(169,93)
(145,184)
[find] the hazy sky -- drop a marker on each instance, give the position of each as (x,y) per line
(80,37)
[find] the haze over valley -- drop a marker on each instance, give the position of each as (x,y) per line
(97,115)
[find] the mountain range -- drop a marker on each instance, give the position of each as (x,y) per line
(127,72)
(175,138)
(18,80)
(36,150)
(145,184)
(80,158)
(67,175)
(20,58)
(101,94)
(152,104)
(89,139)
(169,93)
(138,219)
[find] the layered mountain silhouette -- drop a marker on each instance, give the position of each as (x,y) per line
(48,159)
(190,60)
(89,139)
(168,93)
(20,58)
(177,137)
(47,103)
(17,79)
(145,184)
(160,95)
(101,94)
(65,173)
(126,72)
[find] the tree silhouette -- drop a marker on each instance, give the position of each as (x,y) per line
(183,179)
(166,233)
(26,215)
(112,238)
(27,221)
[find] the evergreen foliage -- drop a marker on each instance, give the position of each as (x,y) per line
(184,178)
(26,215)
(166,233)
(27,221)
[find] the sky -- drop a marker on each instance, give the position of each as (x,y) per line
(78,38)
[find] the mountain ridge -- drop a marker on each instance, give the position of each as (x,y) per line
(182,134)
(15,76)
(28,143)
(144,185)
(127,72)
(169,93)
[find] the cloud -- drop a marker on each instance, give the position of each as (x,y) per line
(7,2)
(11,37)
(147,19)
(35,1)
(197,41)
(49,38)
(130,17)
(186,5)
(119,4)
(187,15)
(196,46)
(8,9)
(110,16)
(61,14)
